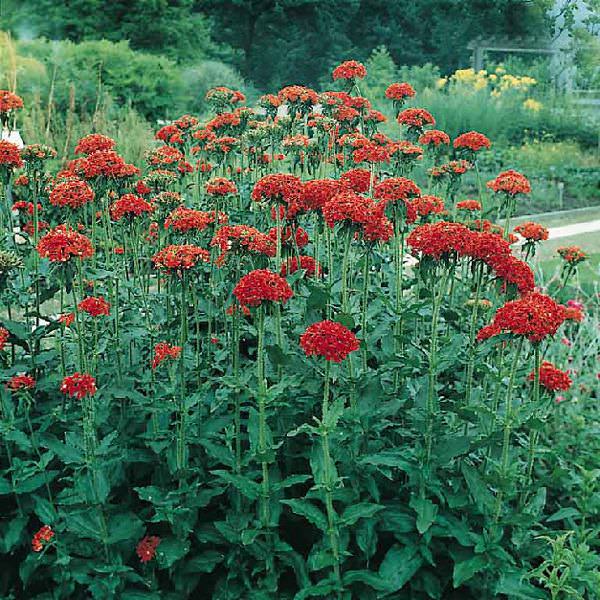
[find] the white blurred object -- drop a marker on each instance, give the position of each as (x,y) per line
(13,136)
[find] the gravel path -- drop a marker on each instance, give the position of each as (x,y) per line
(574,229)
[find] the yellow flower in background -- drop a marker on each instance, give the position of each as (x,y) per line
(441,82)
(533,105)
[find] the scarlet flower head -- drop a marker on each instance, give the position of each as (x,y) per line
(399,92)
(163,351)
(21,382)
(510,183)
(440,239)
(307,263)
(4,335)
(61,244)
(572,255)
(513,270)
(350,69)
(534,316)
(242,239)
(428,205)
(469,205)
(9,101)
(184,219)
(472,141)
(78,385)
(43,535)
(180,257)
(396,189)
(146,548)
(318,192)
(532,232)
(261,286)
(95,142)
(71,193)
(278,187)
(415,118)
(103,163)
(95,307)
(220,186)
(294,237)
(130,205)
(347,207)
(10,155)
(551,378)
(329,339)
(358,180)
(435,138)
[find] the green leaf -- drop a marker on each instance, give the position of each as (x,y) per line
(309,511)
(514,587)
(463,571)
(246,486)
(426,513)
(125,526)
(451,447)
(170,550)
(12,534)
(359,511)
(399,565)
(482,496)
(388,458)
(36,481)
(67,453)
(44,510)
(537,503)
(564,513)
(368,577)
(290,481)
(5,486)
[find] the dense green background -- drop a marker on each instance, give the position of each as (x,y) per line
(280,41)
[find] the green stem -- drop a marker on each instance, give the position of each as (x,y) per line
(508,425)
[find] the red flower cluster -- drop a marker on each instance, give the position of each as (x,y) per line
(129,205)
(434,137)
(162,351)
(399,91)
(428,205)
(307,264)
(146,548)
(294,237)
(473,141)
(415,118)
(318,192)
(358,180)
(330,340)
(23,205)
(534,316)
(95,142)
(72,193)
(95,307)
(551,378)
(513,270)
(9,101)
(61,244)
(278,187)
(243,238)
(4,335)
(45,534)
(225,95)
(533,232)
(184,219)
(164,156)
(262,285)
(21,382)
(351,69)
(395,189)
(220,186)
(572,254)
(347,207)
(438,239)
(470,205)
(103,163)
(510,183)
(78,385)
(10,156)
(177,257)
(298,95)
